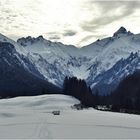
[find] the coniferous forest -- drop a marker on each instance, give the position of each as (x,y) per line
(125,98)
(79,89)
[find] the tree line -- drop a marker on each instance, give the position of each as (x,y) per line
(126,97)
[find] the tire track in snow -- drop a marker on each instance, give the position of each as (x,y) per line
(44,130)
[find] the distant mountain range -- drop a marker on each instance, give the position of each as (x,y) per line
(39,63)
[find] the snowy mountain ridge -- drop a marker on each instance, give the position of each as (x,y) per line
(55,60)
(109,80)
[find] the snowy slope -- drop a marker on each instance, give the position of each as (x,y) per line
(31,118)
(20,49)
(96,48)
(55,60)
(45,102)
(108,80)
(11,50)
(119,48)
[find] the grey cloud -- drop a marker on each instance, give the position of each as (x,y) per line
(8,17)
(53,35)
(100,36)
(87,38)
(58,35)
(69,33)
(6,11)
(107,13)
(54,38)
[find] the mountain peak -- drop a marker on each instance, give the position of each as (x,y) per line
(121,30)
(30,40)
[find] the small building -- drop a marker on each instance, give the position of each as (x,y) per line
(78,106)
(56,112)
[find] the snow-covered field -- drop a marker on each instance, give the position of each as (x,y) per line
(31,117)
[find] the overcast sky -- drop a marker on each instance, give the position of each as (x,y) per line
(77,22)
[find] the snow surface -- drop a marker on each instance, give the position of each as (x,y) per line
(31,118)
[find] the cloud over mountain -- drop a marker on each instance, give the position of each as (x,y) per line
(77,22)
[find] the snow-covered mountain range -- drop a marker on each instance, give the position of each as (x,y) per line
(102,64)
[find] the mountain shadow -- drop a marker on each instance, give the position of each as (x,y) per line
(15,79)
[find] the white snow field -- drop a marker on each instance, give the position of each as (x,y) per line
(31,118)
